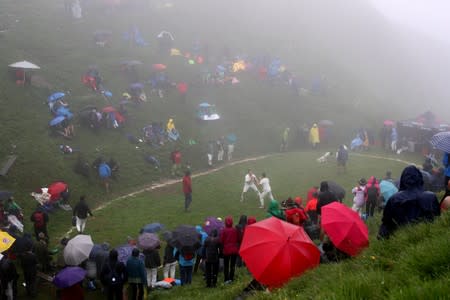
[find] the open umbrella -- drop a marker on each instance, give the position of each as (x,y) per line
(388,123)
(124,252)
(57,120)
(345,228)
(148,240)
(212,223)
(387,189)
(6,241)
(56,188)
(78,249)
(152,227)
(275,251)
(5,195)
(186,236)
(25,65)
(55,96)
(159,67)
(441,141)
(337,190)
(68,277)
(108,109)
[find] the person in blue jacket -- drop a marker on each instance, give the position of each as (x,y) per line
(446,163)
(186,260)
(411,204)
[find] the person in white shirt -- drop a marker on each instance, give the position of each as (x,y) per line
(359,196)
(266,189)
(250,183)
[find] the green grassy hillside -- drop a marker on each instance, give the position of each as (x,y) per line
(64,49)
(416,254)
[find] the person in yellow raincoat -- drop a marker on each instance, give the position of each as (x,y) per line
(170,125)
(314,138)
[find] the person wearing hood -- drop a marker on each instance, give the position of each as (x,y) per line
(229,238)
(241,228)
(251,220)
(325,197)
(212,250)
(275,211)
(372,194)
(411,204)
(113,276)
(314,138)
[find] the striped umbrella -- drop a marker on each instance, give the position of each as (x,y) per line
(441,141)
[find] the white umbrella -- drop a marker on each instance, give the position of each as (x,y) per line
(24,65)
(78,249)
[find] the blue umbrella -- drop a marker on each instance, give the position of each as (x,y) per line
(68,277)
(57,120)
(152,228)
(55,96)
(441,141)
(204,104)
(65,112)
(387,189)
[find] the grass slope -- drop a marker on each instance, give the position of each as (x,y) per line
(218,194)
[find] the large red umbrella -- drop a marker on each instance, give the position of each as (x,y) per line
(345,228)
(56,188)
(275,251)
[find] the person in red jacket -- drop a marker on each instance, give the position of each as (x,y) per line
(187,190)
(182,88)
(229,238)
(175,157)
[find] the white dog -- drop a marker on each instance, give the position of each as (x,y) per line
(324,158)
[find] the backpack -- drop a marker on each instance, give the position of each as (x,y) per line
(39,219)
(113,277)
(372,192)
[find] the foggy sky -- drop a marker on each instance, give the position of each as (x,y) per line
(427,16)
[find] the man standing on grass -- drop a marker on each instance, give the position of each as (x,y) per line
(266,189)
(187,190)
(81,212)
(250,181)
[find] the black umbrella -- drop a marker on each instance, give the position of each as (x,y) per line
(186,237)
(337,190)
(5,195)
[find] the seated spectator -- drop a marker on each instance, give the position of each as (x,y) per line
(410,204)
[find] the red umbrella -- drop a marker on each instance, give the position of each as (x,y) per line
(275,251)
(108,109)
(56,188)
(345,228)
(388,123)
(159,67)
